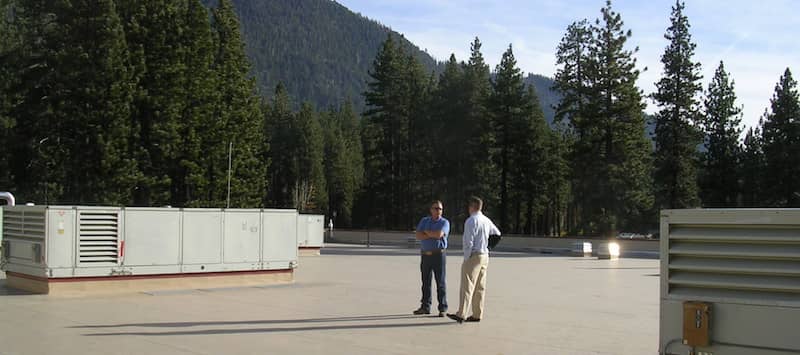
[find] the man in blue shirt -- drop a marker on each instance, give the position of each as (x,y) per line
(432,233)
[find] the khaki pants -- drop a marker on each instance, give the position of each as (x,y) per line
(473,285)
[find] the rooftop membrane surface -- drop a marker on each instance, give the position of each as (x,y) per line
(358,300)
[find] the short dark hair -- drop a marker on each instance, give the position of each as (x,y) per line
(475,201)
(435,202)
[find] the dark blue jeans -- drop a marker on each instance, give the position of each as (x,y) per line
(434,265)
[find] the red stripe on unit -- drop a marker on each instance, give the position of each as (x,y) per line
(158,276)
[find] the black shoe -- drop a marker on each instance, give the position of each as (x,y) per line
(472,319)
(455,318)
(422,311)
(441,314)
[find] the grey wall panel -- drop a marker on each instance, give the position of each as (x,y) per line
(310,230)
(202,237)
(61,244)
(152,237)
(279,237)
(242,236)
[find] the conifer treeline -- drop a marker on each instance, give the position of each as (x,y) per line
(142,103)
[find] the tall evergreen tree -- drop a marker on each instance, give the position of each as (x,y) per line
(753,168)
(310,192)
(393,136)
(510,107)
(613,186)
(781,134)
(479,172)
(722,129)
(349,122)
(156,57)
(449,124)
(676,137)
(344,163)
(572,114)
(198,126)
(240,116)
(279,122)
(530,159)
(625,181)
(75,101)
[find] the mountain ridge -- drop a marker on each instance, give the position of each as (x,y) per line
(322,51)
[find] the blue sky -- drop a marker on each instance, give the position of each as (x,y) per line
(756,39)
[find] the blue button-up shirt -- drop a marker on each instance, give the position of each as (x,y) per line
(477,230)
(428,224)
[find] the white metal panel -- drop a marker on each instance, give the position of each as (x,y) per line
(310,230)
(315,229)
(242,237)
(279,237)
(302,230)
(152,237)
(61,237)
(744,329)
(202,237)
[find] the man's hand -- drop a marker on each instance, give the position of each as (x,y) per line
(434,234)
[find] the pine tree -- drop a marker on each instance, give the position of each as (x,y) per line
(614,184)
(509,105)
(75,101)
(479,173)
(241,117)
(753,167)
(530,159)
(397,98)
(310,192)
(354,158)
(721,126)
(198,126)
(9,45)
(781,134)
(572,82)
(450,127)
(156,57)
(343,161)
(279,121)
(420,183)
(676,137)
(556,175)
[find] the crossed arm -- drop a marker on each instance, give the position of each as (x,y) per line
(423,235)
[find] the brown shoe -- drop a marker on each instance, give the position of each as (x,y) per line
(473,319)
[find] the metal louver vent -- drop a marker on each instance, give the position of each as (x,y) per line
(24,224)
(98,237)
(756,264)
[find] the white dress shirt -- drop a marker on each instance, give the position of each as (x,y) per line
(477,230)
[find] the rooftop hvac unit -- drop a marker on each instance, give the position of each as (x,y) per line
(730,282)
(68,243)
(310,233)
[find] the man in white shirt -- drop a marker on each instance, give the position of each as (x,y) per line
(477,229)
